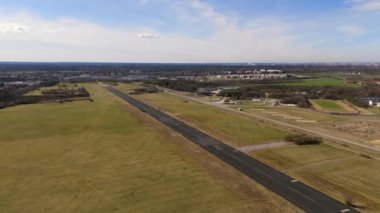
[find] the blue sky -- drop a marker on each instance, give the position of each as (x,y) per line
(190,30)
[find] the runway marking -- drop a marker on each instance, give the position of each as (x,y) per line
(251,148)
(306,121)
(345,210)
(295,118)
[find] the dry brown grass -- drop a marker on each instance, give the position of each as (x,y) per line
(107,157)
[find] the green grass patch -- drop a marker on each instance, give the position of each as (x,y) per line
(328,104)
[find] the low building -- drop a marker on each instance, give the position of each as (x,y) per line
(203,91)
(217,92)
(372,101)
(229,101)
(256,100)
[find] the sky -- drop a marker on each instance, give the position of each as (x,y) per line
(190,31)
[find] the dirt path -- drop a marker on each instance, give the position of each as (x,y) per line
(248,149)
(330,161)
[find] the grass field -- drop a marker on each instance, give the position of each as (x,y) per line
(100,157)
(227,126)
(336,172)
(375,110)
(331,106)
(355,178)
(295,156)
(288,114)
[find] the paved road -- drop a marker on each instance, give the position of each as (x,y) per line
(303,196)
(303,129)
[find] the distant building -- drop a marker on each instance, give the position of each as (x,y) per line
(256,100)
(229,101)
(372,101)
(17,83)
(217,92)
(203,91)
(185,78)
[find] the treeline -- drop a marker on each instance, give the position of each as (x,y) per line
(300,101)
(300,94)
(64,91)
(146,88)
(301,139)
(184,85)
(13,95)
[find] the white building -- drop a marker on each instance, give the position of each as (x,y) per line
(374,103)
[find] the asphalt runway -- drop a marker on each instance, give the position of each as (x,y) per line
(296,192)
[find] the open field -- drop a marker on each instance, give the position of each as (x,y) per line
(355,178)
(331,106)
(130,86)
(106,157)
(336,172)
(375,110)
(292,157)
(229,127)
(289,114)
(365,129)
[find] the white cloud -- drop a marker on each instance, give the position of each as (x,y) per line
(208,12)
(365,5)
(149,36)
(352,30)
(53,30)
(259,40)
(12,28)
(84,41)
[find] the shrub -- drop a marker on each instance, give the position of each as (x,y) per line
(303,139)
(300,101)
